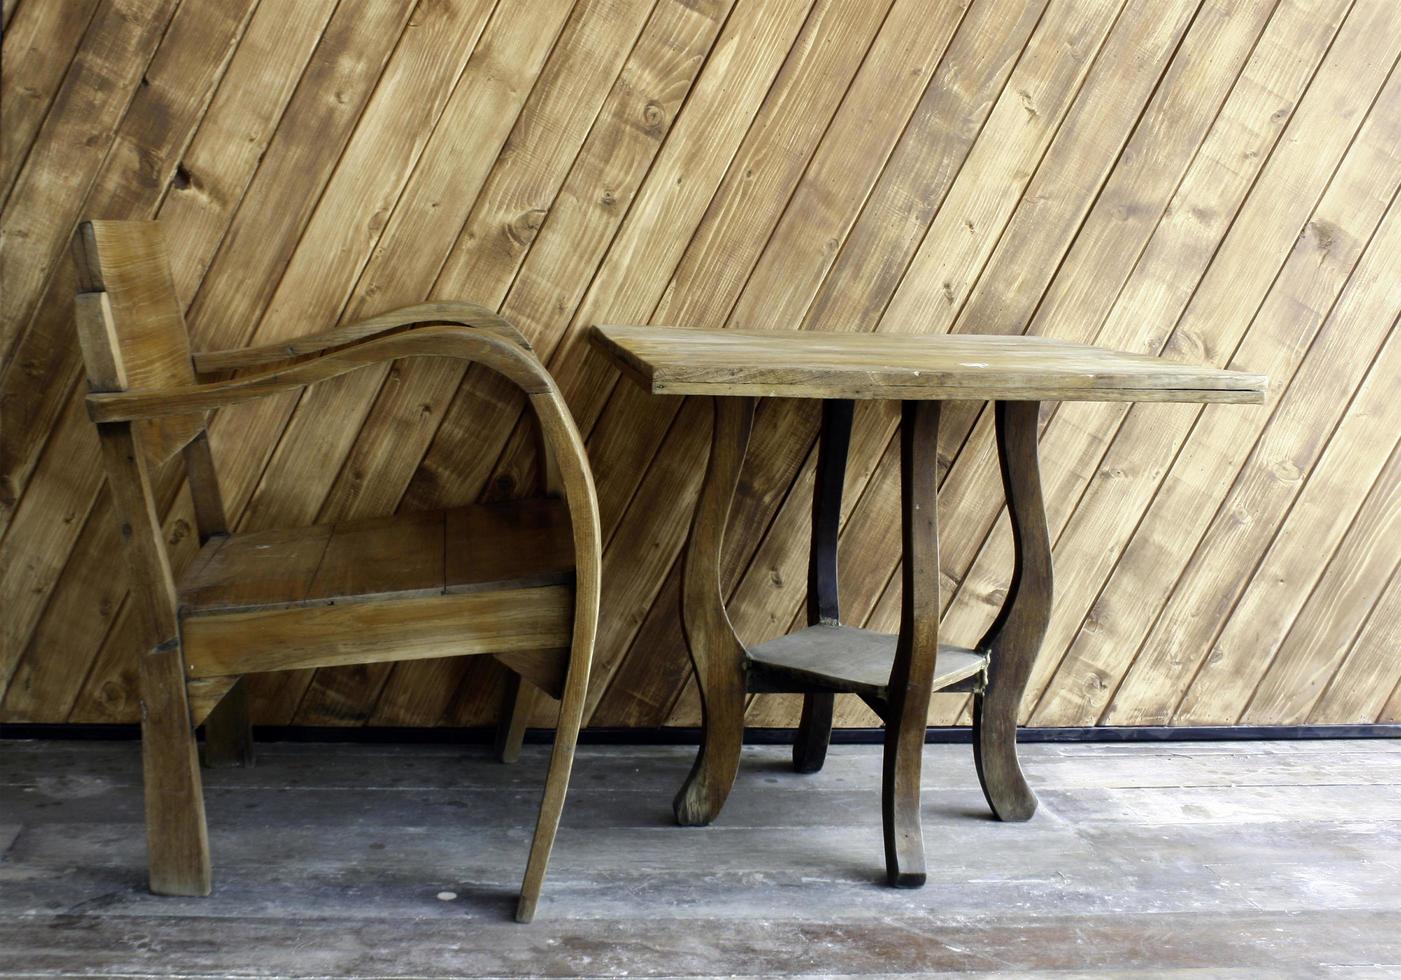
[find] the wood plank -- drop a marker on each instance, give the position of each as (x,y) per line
(38,48)
(615,155)
(165,105)
(565,254)
(205,693)
(1370,671)
(45,684)
(1326,627)
(968,245)
(488,65)
(796,115)
(39,531)
(347,633)
(1355,458)
(303,296)
(1354,315)
(532,156)
(258,568)
(846,658)
(1290,318)
(251,91)
(51,188)
(1003,141)
(143,342)
(814,364)
(1203,894)
(1076,225)
(682,179)
(236,137)
(482,548)
(1247,126)
(326,104)
(522,542)
(1101,258)
(689,168)
(401,555)
(489,233)
(1236,281)
(800,252)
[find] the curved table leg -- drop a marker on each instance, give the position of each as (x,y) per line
(815,729)
(716,653)
(912,674)
(1015,636)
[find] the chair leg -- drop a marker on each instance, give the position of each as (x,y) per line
(177,842)
(814,733)
(228,731)
(571,714)
(515,715)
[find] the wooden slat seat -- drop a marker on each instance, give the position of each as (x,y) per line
(846,659)
(480,548)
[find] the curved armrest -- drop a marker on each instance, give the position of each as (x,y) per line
(494,345)
(489,349)
(382,324)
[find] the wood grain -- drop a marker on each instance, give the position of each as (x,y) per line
(1207,182)
(819,364)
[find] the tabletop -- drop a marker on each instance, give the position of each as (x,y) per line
(818,364)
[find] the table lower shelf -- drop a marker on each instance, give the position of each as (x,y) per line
(847,659)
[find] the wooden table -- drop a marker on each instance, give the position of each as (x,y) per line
(895,675)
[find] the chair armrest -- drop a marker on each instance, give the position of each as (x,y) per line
(490,348)
(382,324)
(475,335)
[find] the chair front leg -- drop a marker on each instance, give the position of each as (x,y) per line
(716,653)
(576,482)
(177,843)
(912,675)
(1015,636)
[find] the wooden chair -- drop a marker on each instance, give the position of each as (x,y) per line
(517,581)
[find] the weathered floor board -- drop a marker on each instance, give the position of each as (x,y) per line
(1180,859)
(1212,180)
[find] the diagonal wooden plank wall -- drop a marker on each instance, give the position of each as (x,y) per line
(1213,180)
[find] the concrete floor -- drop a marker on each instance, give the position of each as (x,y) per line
(1178,859)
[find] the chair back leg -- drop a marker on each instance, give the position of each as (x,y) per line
(515,716)
(228,731)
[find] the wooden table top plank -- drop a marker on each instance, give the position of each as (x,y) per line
(815,364)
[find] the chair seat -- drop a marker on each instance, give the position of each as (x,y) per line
(481,548)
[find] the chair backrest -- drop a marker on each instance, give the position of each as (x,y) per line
(145,340)
(132,332)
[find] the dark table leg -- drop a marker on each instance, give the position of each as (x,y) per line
(815,728)
(912,674)
(1015,636)
(716,653)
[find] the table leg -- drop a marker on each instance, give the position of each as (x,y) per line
(815,728)
(912,674)
(1015,636)
(716,652)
